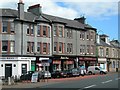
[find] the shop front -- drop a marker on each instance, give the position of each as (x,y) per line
(102,62)
(15,66)
(43,64)
(68,64)
(87,61)
(56,65)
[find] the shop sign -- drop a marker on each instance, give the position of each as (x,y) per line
(69,62)
(8,58)
(44,64)
(64,58)
(56,62)
(43,59)
(87,59)
(26,58)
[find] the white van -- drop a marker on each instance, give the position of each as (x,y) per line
(96,70)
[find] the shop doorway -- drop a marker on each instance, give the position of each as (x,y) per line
(8,70)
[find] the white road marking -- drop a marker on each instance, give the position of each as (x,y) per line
(90,86)
(107,81)
(117,78)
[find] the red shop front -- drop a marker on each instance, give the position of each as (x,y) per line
(87,61)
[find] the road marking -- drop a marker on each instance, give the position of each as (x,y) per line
(117,78)
(90,86)
(107,81)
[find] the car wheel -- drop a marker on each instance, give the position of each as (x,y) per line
(90,73)
(101,72)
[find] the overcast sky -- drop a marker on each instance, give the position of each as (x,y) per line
(101,14)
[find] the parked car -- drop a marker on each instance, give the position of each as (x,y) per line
(45,74)
(96,70)
(64,73)
(26,76)
(57,74)
(73,72)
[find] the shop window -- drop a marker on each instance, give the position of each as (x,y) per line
(4,46)
(24,68)
(113,64)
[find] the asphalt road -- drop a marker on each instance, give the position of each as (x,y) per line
(109,81)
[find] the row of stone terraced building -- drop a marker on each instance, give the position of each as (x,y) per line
(33,41)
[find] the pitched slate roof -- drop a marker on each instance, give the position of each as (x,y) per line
(28,16)
(102,43)
(68,22)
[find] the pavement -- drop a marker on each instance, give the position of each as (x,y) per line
(28,84)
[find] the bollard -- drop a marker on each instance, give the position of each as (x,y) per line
(9,81)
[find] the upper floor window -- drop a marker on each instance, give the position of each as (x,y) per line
(92,49)
(5,27)
(101,52)
(30,29)
(4,46)
(87,37)
(38,47)
(60,31)
(12,28)
(38,30)
(44,30)
(107,51)
(60,46)
(69,33)
(30,47)
(83,35)
(69,47)
(55,30)
(44,47)
(55,46)
(12,46)
(88,49)
(92,34)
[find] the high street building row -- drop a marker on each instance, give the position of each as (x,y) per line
(34,41)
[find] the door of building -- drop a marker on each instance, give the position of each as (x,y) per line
(8,70)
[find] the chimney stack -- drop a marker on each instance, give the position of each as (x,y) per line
(21,10)
(81,19)
(35,9)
